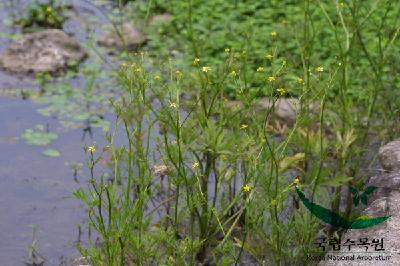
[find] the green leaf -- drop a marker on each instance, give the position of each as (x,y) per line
(51,153)
(360,185)
(336,181)
(364,199)
(370,190)
(353,190)
(356,200)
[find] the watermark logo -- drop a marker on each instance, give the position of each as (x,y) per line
(337,220)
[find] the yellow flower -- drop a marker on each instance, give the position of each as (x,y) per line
(300,80)
(178,75)
(273,33)
(173,105)
(227,50)
(319,69)
(205,69)
(260,69)
(196,61)
(244,126)
(91,149)
(195,165)
(157,77)
(296,181)
(271,78)
(246,188)
(269,56)
(233,73)
(281,91)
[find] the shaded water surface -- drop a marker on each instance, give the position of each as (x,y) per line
(35,189)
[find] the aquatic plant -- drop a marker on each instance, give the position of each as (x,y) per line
(47,15)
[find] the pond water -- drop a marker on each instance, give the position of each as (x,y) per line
(35,190)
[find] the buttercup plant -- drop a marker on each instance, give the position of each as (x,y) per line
(213,121)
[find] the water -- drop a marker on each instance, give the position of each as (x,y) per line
(35,189)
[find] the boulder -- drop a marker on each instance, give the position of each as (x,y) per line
(130,37)
(389,156)
(49,50)
(286,109)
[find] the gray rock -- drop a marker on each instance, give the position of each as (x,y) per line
(81,261)
(285,108)
(50,50)
(130,37)
(389,156)
(385,201)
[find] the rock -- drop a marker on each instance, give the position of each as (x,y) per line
(160,170)
(159,19)
(385,201)
(50,50)
(385,184)
(131,38)
(81,261)
(234,105)
(389,156)
(285,108)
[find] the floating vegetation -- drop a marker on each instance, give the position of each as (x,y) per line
(47,15)
(74,107)
(39,136)
(51,153)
